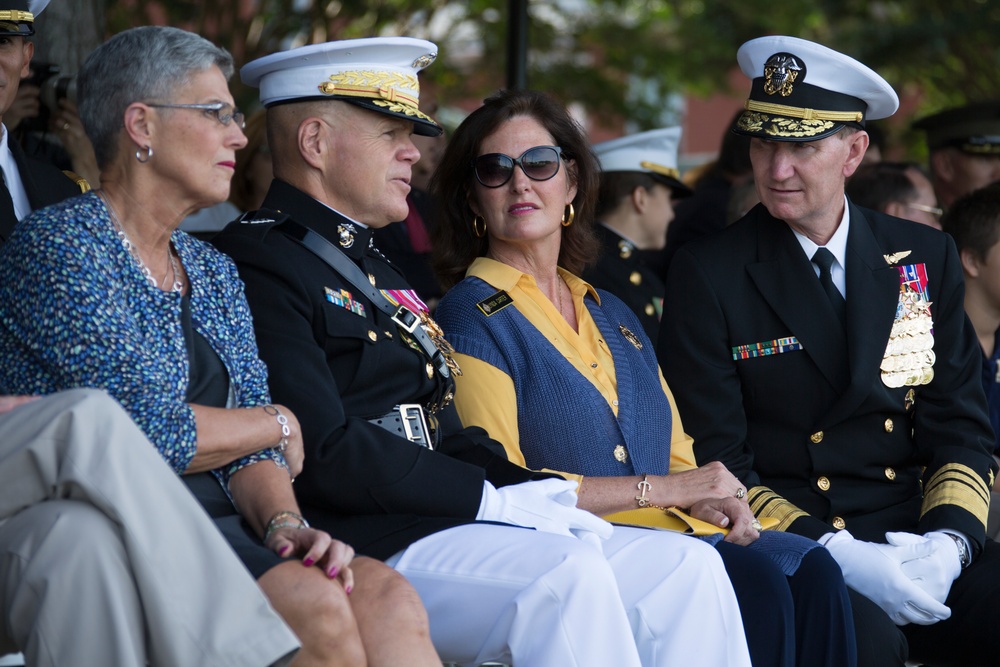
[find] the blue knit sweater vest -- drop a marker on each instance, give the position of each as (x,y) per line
(565,423)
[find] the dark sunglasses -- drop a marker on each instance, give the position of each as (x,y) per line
(539,164)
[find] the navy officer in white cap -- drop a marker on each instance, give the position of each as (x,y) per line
(27,183)
(350,348)
(821,351)
(639,182)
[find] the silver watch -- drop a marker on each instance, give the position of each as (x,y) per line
(964,557)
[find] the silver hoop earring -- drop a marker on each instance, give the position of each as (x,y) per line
(149,154)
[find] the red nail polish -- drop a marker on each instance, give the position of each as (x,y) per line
(308,562)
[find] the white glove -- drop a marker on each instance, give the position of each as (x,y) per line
(548,505)
(876,571)
(933,573)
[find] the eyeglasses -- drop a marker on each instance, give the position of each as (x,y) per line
(933,210)
(539,164)
(214,109)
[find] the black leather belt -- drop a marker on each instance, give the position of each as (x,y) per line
(408,421)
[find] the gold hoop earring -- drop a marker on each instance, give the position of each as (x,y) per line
(479,226)
(568,214)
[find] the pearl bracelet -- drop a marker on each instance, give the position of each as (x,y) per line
(282,422)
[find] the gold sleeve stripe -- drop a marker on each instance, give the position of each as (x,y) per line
(766,503)
(958,485)
(803,113)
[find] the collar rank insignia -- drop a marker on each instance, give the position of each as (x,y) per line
(346,232)
(630,337)
(494,303)
(896,256)
(781,71)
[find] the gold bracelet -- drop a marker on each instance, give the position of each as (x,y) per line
(278,521)
(643,487)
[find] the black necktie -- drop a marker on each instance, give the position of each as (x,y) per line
(824,259)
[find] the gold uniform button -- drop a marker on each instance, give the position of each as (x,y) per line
(890,474)
(888,425)
(823,483)
(650,310)
(387,334)
(372,335)
(839,523)
(817,437)
(635,278)
(371,279)
(430,371)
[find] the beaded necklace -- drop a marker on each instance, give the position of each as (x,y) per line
(176,285)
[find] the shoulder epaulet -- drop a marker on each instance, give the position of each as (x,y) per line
(80,181)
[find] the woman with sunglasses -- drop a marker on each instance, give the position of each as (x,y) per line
(103,291)
(567,380)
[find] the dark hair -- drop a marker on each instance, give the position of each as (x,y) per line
(617,185)
(734,154)
(974,220)
(455,246)
(877,185)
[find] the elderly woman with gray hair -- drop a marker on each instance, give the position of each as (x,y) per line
(103,291)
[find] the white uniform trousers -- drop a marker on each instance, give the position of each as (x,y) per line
(499,593)
(107,559)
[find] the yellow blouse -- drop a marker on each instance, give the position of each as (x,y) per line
(485,395)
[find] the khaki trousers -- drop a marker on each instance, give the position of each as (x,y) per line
(107,559)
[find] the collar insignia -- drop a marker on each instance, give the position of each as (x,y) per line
(781,71)
(896,256)
(624,249)
(346,232)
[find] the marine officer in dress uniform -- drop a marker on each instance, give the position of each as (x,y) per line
(388,466)
(639,181)
(964,145)
(821,351)
(27,183)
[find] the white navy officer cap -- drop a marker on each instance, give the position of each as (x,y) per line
(17,17)
(378,74)
(653,152)
(803,91)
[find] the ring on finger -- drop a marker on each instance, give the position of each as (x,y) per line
(756,525)
(741,492)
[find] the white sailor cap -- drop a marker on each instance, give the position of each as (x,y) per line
(378,73)
(653,152)
(803,91)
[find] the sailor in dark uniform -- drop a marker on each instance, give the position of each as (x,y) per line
(639,181)
(27,183)
(351,349)
(964,147)
(821,351)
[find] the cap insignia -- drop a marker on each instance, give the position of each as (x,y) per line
(781,71)
(424,60)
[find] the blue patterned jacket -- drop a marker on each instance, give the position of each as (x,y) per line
(75,311)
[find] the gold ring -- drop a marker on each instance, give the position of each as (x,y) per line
(756,525)
(740,492)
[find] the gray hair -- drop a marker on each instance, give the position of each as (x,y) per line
(138,65)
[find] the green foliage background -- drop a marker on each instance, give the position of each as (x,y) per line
(593,52)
